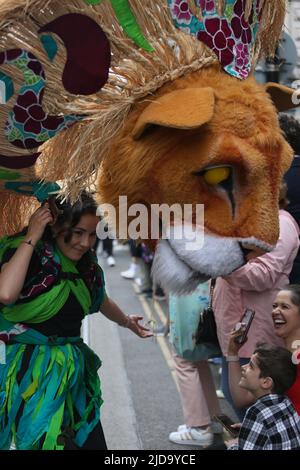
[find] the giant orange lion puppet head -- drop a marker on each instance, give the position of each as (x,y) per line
(155,99)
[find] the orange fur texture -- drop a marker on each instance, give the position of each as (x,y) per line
(243,132)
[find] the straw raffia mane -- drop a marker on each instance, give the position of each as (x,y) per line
(76,154)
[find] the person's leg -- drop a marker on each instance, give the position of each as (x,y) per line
(135,251)
(108,246)
(194,405)
(97,244)
(208,387)
(195,410)
(240,412)
(146,281)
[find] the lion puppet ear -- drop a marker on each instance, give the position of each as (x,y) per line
(283,97)
(188,108)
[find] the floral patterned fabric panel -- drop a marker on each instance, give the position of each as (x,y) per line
(27,125)
(231,36)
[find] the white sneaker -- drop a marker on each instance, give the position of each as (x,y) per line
(138,281)
(111,261)
(130,273)
(182,427)
(192,437)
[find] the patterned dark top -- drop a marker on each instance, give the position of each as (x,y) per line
(271,423)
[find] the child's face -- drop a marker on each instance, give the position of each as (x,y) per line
(250,379)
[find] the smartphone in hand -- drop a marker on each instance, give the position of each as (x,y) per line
(227,423)
(244,325)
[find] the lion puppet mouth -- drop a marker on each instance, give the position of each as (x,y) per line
(180,263)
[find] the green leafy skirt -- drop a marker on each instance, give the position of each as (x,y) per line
(48,392)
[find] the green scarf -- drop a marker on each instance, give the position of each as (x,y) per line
(49,303)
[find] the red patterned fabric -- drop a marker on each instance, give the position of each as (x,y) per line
(294,392)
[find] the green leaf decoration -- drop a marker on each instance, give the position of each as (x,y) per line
(9,175)
(21,63)
(42,137)
(128,22)
(30,78)
(229,12)
(14,134)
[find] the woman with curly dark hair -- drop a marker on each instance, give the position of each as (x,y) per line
(50,392)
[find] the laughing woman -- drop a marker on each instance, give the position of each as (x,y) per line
(50,393)
(286,319)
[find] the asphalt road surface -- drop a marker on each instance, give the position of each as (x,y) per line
(141,400)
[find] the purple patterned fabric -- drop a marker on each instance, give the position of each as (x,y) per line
(28,126)
(86,71)
(231,36)
(218,37)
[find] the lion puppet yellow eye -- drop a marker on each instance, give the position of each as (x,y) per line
(216,175)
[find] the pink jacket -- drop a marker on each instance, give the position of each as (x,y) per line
(255,286)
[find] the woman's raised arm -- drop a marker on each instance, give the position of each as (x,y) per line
(13,273)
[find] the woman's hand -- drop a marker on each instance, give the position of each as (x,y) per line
(135,327)
(111,310)
(13,273)
(37,223)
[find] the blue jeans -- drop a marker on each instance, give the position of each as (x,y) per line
(225,387)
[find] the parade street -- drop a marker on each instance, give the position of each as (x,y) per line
(141,400)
